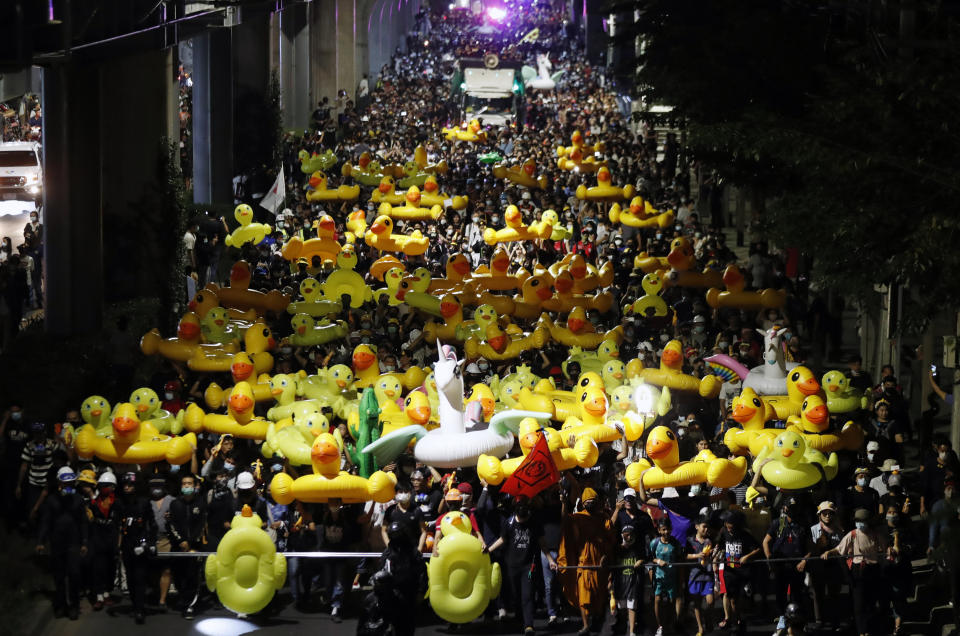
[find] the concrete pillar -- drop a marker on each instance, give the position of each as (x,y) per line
(346,54)
(593,30)
(324,49)
(212,118)
(73,277)
(290,58)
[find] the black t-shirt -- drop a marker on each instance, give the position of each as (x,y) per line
(520,541)
(410,520)
(736,544)
(790,539)
(550,518)
(428,503)
(853,499)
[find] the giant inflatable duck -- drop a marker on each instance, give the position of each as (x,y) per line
(129,441)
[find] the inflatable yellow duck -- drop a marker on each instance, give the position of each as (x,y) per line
(522,175)
(246,571)
(682,260)
(147,403)
(328,481)
(667,469)
(369,172)
(356,226)
(640,214)
(239,295)
(801,383)
(651,305)
(457,274)
(670,374)
(462,579)
(814,425)
(579,331)
(605,190)
(310,163)
(411,210)
(752,413)
(472,133)
(318,190)
(365,368)
(256,340)
(592,419)
(386,192)
(498,277)
(248,232)
(130,441)
(307,332)
(392,279)
(496,344)
(239,420)
(295,441)
(344,281)
(577,143)
(329,386)
(431,195)
(324,245)
(735,296)
(788,463)
(380,235)
(516,229)
(95,411)
(313,303)
(841,397)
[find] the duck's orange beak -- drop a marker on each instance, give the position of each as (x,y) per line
(808,386)
(188,331)
(499,343)
(378,227)
(448,310)
(742,413)
(419,414)
(125,425)
(325,452)
(732,277)
(657,448)
(563,284)
(596,407)
(363,360)
(544,293)
(787,452)
(276,391)
(817,415)
(384,188)
(241,370)
(461,267)
(671,358)
(302,330)
(575,324)
(240,403)
(342,384)
(529,440)
(488,407)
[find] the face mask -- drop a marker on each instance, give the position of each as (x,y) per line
(286,350)
(475,219)
(861,525)
(659,236)
(228,467)
(894,480)
(392,329)
(483,366)
(699,329)
(68,490)
(723,344)
(168,396)
(16,416)
(174,469)
(942,455)
(870,456)
(695,490)
(277,468)
(590,506)
(403,498)
(388,368)
(220,485)
(156,493)
(862,481)
(891,519)
(187,491)
(681,432)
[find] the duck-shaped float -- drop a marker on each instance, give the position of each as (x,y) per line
(356,226)
(386,192)
(344,281)
(380,235)
(579,331)
(516,229)
(327,387)
(313,303)
(565,299)
(814,425)
(256,342)
(318,190)
(592,361)
(605,190)
(651,305)
(238,421)
(735,296)
(391,279)
(788,463)
(667,469)
(328,481)
(640,214)
(670,375)
(580,161)
(324,245)
(182,346)
(471,132)
(457,274)
(129,441)
(239,295)
(459,440)
(241,370)
(801,383)
(452,329)
(431,195)
(307,332)
(411,210)
(147,403)
(534,292)
(498,277)
(295,441)
(310,163)
(217,328)
(591,421)
(484,395)
(463,581)
(246,571)
(369,172)
(365,368)
(584,454)
(683,260)
(577,143)
(206,300)
(614,374)
(636,406)
(497,344)
(586,277)
(248,232)
(770,378)
(841,397)
(560,232)
(95,411)
(522,175)
(752,413)
(413,292)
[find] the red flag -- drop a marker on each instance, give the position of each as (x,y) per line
(536,472)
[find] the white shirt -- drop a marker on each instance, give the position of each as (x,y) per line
(189,240)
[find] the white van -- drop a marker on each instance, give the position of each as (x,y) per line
(21,171)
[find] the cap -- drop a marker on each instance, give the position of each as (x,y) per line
(629,492)
(862,514)
(87,476)
(452,495)
(890,465)
(66,474)
(107,478)
(130,478)
(873,446)
(588,494)
(37,427)
(245,481)
(861,469)
(826,505)
(157,482)
(465,488)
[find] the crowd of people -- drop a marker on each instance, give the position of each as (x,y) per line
(682,560)
(21,278)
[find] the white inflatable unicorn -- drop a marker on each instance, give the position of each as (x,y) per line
(770,378)
(541,79)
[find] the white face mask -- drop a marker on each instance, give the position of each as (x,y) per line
(403,498)
(871,455)
(861,481)
(942,455)
(723,344)
(861,525)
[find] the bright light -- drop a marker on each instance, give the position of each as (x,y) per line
(497,13)
(644,399)
(426,43)
(224,627)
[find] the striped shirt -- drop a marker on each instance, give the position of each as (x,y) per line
(39,457)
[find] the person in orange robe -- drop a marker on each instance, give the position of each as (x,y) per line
(587,539)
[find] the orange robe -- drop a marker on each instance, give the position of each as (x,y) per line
(586,540)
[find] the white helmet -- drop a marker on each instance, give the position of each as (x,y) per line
(245,481)
(108,478)
(66,474)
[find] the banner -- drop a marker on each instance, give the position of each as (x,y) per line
(535,473)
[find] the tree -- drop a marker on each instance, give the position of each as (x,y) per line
(845,132)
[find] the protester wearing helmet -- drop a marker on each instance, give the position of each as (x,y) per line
(63,523)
